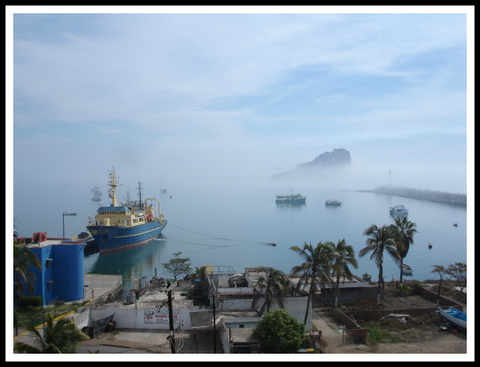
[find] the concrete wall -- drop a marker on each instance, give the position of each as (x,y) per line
(144,318)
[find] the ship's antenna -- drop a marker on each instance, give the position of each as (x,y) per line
(113,183)
(140,193)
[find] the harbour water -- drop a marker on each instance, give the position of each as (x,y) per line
(234,227)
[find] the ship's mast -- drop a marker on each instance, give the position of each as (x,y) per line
(113,183)
(140,193)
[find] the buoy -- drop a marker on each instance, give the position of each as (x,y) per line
(430,246)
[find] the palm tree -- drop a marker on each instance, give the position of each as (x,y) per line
(343,256)
(273,286)
(315,268)
(59,337)
(23,259)
(405,231)
(380,240)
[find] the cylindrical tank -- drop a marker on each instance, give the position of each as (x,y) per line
(68,271)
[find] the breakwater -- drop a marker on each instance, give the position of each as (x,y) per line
(430,195)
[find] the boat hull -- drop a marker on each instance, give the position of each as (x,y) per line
(456,317)
(407,270)
(112,238)
(290,201)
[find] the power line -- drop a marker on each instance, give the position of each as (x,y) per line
(219,238)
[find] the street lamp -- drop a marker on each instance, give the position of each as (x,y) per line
(63,217)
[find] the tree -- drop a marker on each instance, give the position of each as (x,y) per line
(343,256)
(271,287)
(380,240)
(59,337)
(23,259)
(178,266)
(456,272)
(405,230)
(279,332)
(315,268)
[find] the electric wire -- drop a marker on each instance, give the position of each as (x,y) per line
(215,238)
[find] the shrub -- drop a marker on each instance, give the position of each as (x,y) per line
(279,332)
(30,301)
(417,287)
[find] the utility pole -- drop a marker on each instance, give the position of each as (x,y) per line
(214,329)
(170,318)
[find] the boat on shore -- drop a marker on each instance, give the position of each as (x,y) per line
(290,199)
(398,210)
(126,225)
(406,270)
(455,316)
(331,202)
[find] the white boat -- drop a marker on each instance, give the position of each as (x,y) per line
(290,199)
(331,202)
(406,270)
(398,210)
(455,316)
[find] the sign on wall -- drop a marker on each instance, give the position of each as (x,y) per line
(160,316)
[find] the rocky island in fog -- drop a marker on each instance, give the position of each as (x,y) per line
(335,158)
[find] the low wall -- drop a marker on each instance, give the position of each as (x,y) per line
(348,318)
(144,318)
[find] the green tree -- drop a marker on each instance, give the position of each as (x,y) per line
(405,231)
(23,259)
(380,241)
(315,269)
(61,336)
(343,257)
(273,286)
(279,332)
(178,266)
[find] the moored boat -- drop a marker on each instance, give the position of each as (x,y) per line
(406,270)
(455,316)
(398,210)
(97,194)
(331,202)
(290,199)
(126,225)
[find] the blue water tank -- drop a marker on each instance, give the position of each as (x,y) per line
(68,274)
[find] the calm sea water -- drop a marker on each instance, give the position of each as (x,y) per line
(231,226)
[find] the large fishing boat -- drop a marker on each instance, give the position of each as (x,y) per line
(290,199)
(126,225)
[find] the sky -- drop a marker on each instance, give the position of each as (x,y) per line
(210,92)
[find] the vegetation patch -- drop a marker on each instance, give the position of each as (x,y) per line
(377,335)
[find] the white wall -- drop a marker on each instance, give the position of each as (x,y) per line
(144,318)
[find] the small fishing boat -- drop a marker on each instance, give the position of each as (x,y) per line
(331,202)
(97,194)
(406,270)
(456,317)
(290,199)
(398,210)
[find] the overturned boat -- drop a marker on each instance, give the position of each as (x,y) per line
(455,316)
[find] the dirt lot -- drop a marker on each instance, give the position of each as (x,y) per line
(412,338)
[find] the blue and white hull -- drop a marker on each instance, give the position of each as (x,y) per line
(110,238)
